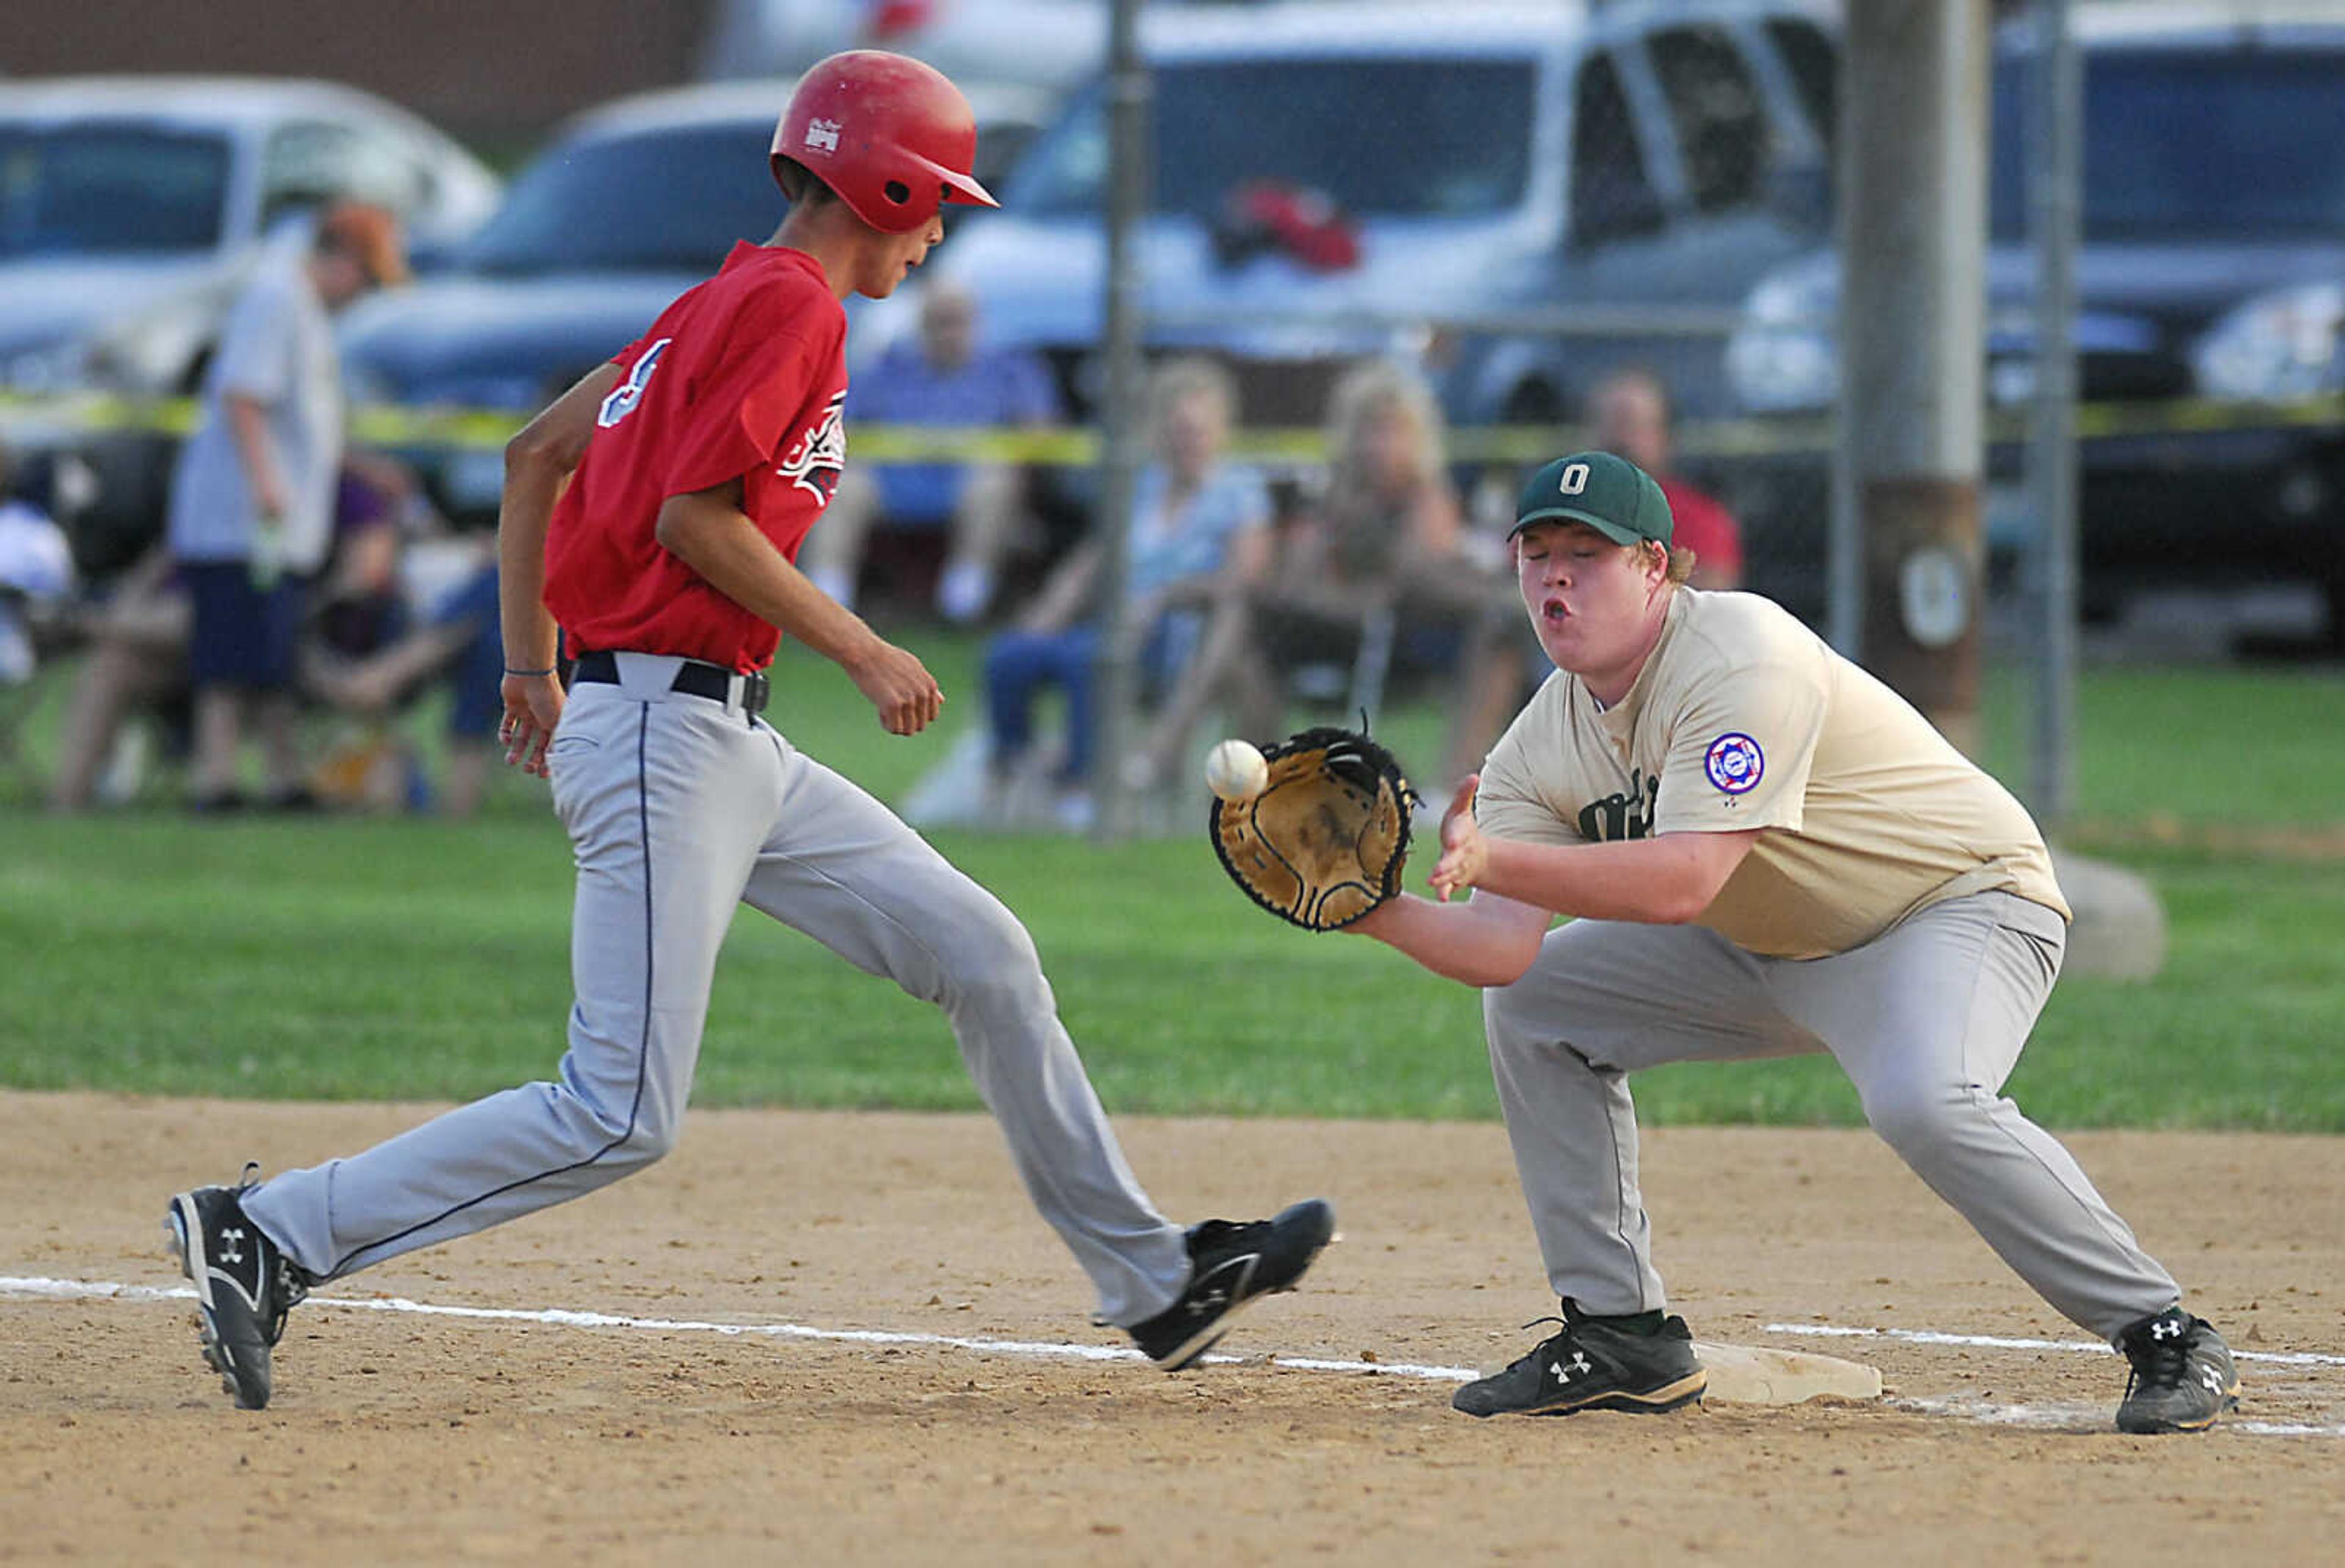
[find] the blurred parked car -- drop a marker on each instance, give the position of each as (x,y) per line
(1328,178)
(129,207)
(631,204)
(2211,266)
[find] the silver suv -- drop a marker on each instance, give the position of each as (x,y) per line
(1471,164)
(131,208)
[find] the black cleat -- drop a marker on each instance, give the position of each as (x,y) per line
(1229,1267)
(244,1285)
(2183,1377)
(1593,1365)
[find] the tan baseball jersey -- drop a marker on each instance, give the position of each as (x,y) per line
(1743,718)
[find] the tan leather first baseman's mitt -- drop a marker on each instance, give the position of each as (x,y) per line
(1323,842)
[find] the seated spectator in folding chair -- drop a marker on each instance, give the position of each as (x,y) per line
(137,637)
(946,377)
(135,660)
(1199,538)
(454,641)
(1378,576)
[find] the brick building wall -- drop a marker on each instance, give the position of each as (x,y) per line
(495,73)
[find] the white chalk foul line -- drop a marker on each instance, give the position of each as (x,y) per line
(2090,1417)
(1999,1342)
(2080,1418)
(1980,1411)
(82,1289)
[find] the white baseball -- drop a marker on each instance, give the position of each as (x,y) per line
(1235,771)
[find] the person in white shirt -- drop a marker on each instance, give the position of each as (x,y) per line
(252,497)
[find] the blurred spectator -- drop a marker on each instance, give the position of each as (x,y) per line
(456,641)
(1633,417)
(946,377)
(1381,556)
(1199,538)
(137,636)
(36,577)
(252,501)
(136,658)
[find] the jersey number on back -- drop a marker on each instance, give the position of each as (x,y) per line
(626,394)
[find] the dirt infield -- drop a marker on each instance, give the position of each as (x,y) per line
(401,1436)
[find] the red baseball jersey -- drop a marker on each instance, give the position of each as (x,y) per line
(744,377)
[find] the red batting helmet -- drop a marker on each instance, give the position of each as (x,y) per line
(890,136)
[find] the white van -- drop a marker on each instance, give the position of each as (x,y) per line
(1470,168)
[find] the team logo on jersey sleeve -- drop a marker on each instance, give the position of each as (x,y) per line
(1734,763)
(813,462)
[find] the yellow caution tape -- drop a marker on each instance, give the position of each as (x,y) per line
(391,426)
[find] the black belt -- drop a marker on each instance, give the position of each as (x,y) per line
(693,678)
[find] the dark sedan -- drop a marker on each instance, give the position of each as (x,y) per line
(2210,179)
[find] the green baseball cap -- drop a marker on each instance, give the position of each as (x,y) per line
(1609,494)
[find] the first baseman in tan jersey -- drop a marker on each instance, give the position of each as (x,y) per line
(1766,852)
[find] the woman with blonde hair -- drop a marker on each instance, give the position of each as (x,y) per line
(1388,507)
(1199,538)
(1383,547)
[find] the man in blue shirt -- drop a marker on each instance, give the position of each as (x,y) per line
(944,378)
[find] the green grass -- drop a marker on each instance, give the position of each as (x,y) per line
(375,958)
(2234,746)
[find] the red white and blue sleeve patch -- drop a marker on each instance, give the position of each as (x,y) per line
(1734,763)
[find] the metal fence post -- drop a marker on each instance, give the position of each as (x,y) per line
(1119,414)
(2055,105)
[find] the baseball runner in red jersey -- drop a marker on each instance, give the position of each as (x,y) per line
(653,513)
(1767,852)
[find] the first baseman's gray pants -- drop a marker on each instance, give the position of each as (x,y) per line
(1927,1020)
(680,810)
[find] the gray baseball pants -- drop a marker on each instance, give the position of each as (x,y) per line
(680,808)
(1927,1020)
